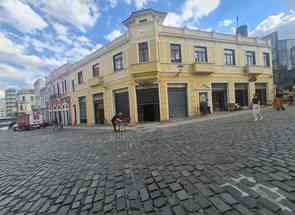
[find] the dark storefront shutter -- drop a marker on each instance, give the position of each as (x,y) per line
(122,103)
(82,107)
(177,98)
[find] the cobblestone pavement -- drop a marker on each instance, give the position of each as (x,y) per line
(226,166)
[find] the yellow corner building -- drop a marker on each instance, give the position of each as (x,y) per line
(158,73)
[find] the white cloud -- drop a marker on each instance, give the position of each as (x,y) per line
(284,23)
(84,40)
(10,73)
(113,35)
(198,8)
(59,28)
(13,53)
(226,23)
(208,29)
(97,46)
(112,3)
(21,16)
(3,86)
(192,26)
(79,13)
(9,47)
(139,3)
(173,19)
(192,10)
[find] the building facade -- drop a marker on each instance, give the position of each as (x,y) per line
(2,108)
(25,101)
(158,73)
(59,100)
(39,106)
(44,100)
(10,99)
(283,55)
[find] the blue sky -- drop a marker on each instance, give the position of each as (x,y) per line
(37,36)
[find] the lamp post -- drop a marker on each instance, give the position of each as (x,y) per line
(180,68)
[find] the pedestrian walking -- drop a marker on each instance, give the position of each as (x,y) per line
(55,124)
(256,110)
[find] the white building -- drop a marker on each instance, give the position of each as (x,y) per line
(2,107)
(10,100)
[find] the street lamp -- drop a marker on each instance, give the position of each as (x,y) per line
(180,68)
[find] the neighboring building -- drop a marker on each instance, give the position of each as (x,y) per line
(59,100)
(25,101)
(10,99)
(158,73)
(38,105)
(242,31)
(44,100)
(293,57)
(2,107)
(283,60)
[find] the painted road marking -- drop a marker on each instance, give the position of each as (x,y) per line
(270,193)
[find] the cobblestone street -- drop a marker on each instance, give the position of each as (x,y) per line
(226,166)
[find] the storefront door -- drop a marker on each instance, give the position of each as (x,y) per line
(242,94)
(261,92)
(219,97)
(148,104)
(122,102)
(203,102)
(98,108)
(82,107)
(177,99)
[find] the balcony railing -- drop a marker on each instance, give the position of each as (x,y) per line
(204,68)
(145,71)
(256,70)
(95,82)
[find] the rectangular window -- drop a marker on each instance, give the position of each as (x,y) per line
(250,58)
(95,70)
(73,85)
(201,55)
(118,62)
(143,20)
(143,52)
(266,59)
(32,98)
(24,98)
(65,85)
(58,90)
(175,50)
(82,107)
(80,77)
(229,57)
